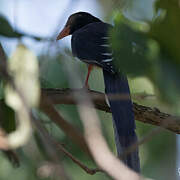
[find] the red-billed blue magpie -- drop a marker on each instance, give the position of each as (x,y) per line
(90,43)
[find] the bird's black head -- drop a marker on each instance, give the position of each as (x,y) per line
(75,22)
(79,20)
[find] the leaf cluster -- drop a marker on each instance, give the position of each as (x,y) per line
(151,48)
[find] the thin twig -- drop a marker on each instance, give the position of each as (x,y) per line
(145,138)
(75,160)
(49,145)
(13,157)
(59,147)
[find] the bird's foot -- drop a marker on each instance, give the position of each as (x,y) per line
(86,86)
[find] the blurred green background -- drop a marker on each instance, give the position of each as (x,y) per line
(145,38)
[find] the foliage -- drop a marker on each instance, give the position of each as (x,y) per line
(148,49)
(130,48)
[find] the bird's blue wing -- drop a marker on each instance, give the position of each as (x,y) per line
(91,45)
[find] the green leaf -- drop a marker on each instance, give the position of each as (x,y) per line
(130,48)
(6,29)
(165,29)
(8,122)
(154,54)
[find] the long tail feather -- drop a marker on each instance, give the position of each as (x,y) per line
(123,118)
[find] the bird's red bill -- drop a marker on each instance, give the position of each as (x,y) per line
(65,32)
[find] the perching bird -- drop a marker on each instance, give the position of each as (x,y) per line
(90,37)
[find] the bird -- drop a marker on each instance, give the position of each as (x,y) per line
(90,43)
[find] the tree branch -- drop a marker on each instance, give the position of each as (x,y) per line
(142,113)
(75,160)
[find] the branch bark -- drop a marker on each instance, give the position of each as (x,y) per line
(142,113)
